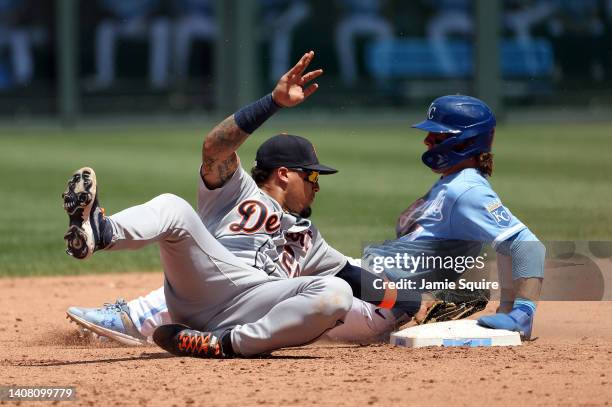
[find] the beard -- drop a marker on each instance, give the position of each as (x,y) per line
(306,212)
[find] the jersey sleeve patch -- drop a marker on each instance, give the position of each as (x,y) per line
(499,213)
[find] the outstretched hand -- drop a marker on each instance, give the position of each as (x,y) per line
(293,88)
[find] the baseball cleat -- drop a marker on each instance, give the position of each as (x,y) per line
(180,340)
(516,321)
(111,321)
(86,217)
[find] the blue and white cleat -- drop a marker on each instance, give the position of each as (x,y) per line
(86,217)
(516,321)
(111,321)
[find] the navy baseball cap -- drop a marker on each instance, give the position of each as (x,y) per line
(286,150)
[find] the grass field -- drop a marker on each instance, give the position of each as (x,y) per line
(555,178)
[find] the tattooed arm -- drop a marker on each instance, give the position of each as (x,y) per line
(219,158)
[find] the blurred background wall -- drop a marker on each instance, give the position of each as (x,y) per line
(73,59)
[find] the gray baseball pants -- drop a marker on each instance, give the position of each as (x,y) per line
(208,288)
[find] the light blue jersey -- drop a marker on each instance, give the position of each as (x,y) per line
(461,206)
(457,217)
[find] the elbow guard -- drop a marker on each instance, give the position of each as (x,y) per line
(527,254)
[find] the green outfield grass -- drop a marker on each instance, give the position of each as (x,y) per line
(556,178)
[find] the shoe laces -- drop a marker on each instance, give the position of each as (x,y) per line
(118,306)
(199,343)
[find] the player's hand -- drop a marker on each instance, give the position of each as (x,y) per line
(427,302)
(293,87)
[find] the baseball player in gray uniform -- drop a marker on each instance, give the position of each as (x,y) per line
(238,310)
(244,296)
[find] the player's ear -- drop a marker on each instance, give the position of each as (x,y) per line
(282,174)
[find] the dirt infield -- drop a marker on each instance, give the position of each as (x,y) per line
(569,364)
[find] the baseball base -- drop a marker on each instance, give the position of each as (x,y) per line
(454,333)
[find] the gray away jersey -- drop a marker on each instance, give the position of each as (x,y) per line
(254,227)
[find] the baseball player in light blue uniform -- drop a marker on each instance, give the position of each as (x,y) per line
(461,212)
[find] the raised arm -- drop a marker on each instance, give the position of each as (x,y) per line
(219,158)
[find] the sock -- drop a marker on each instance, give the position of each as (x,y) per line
(102,229)
(226,344)
(527,306)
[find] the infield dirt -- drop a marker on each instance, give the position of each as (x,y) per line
(569,364)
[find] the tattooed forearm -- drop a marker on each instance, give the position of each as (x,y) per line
(223,140)
(219,159)
(226,168)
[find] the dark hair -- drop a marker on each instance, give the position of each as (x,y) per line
(261,175)
(484,161)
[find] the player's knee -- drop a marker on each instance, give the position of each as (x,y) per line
(174,210)
(337,297)
(175,202)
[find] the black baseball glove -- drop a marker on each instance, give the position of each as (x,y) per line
(451,305)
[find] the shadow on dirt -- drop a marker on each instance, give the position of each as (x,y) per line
(141,357)
(144,356)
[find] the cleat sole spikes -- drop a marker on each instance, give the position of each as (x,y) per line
(78,200)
